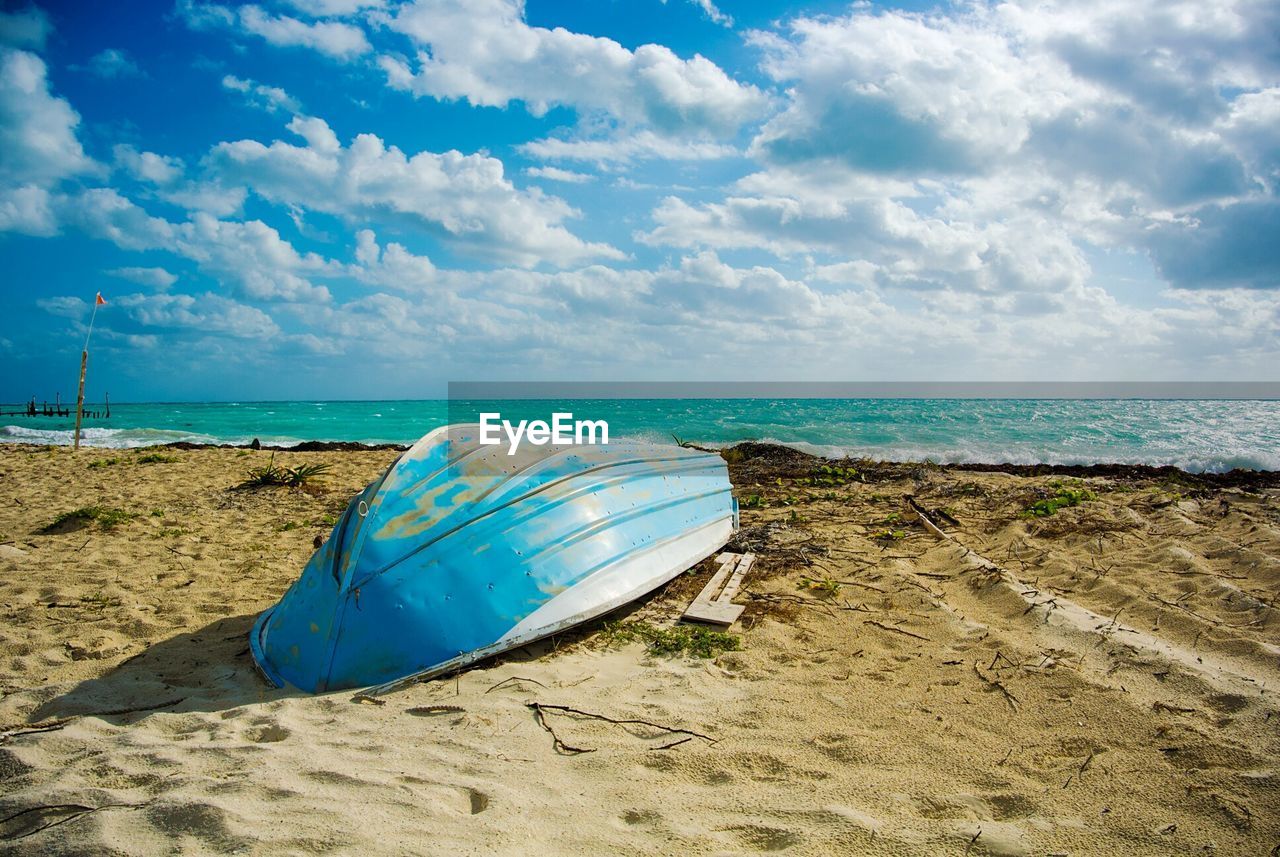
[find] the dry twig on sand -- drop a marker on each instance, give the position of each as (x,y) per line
(540,708)
(896,630)
(997,685)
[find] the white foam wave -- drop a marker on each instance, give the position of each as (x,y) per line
(109,438)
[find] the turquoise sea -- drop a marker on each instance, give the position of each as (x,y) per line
(1197,435)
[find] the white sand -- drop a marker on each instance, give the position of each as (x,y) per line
(1112,692)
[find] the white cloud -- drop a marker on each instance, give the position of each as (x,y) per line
(269,98)
(879,238)
(147,166)
(27,209)
(113,63)
(556,174)
(155,278)
(249,257)
(37,138)
(334,39)
(208,197)
(987,147)
(64,306)
(486,53)
(466,198)
(204,16)
(333,8)
(897,92)
(37,129)
(105,213)
(625,149)
(167,175)
(709,9)
(204,313)
(252,256)
(340,41)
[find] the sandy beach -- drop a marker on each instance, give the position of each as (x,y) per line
(1098,680)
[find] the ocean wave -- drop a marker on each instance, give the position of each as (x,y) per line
(1203,450)
(108,438)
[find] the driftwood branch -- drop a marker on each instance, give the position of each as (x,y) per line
(512,680)
(556,742)
(541,708)
(27,822)
(47,726)
(994,684)
(53,725)
(897,630)
(434,710)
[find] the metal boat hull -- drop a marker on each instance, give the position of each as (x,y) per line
(461,551)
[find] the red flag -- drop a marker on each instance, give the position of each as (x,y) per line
(100,301)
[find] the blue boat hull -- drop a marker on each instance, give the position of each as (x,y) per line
(460,551)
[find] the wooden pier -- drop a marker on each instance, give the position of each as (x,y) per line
(57,409)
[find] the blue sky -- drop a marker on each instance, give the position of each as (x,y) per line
(370,198)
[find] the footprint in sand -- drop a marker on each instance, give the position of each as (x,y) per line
(764,838)
(268,733)
(458,799)
(640,817)
(202,821)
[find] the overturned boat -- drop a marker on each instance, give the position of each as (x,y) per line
(461,551)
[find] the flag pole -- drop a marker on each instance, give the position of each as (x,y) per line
(84,364)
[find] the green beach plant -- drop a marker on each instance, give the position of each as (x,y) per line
(105,517)
(826,587)
(831,474)
(304,474)
(693,640)
(1062,498)
(157,458)
(293,477)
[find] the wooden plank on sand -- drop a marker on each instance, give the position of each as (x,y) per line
(714,604)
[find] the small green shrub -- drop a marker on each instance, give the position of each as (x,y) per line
(304,474)
(1061,499)
(100,601)
(105,517)
(157,458)
(693,640)
(831,474)
(103,462)
(294,477)
(752,501)
(826,587)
